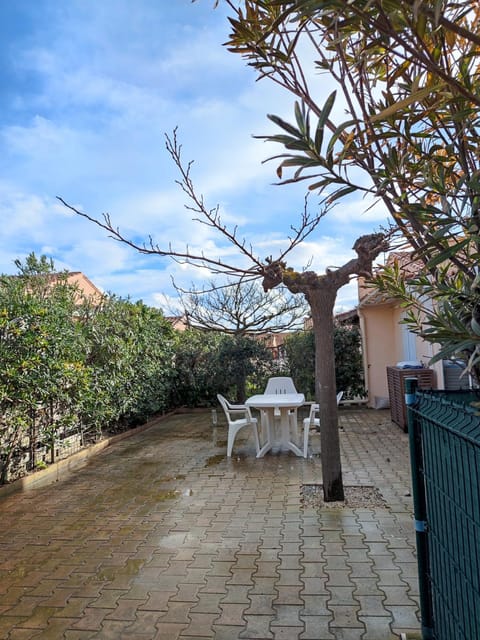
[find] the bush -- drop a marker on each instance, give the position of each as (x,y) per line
(349,375)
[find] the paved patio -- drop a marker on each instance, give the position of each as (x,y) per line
(161,537)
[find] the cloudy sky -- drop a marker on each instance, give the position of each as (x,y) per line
(89,89)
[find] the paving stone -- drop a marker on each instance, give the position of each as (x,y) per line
(345,616)
(76,634)
(91,619)
(287,616)
(258,627)
(403,616)
(286,633)
(315,605)
(397,596)
(221,568)
(225,632)
(263,586)
(338,578)
(200,625)
(341,595)
(236,594)
(157,601)
(288,577)
(290,562)
(389,577)
(169,630)
(378,628)
(177,612)
(232,615)
(260,604)
(317,628)
(107,600)
(241,576)
(207,603)
(288,595)
(371,605)
(312,586)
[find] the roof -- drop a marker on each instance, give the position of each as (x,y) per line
(410,267)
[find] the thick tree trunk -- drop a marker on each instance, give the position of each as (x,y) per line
(322,303)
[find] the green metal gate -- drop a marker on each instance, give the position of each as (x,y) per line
(444,431)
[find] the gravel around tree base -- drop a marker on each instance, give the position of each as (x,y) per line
(365,497)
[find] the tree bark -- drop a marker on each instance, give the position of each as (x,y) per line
(322,302)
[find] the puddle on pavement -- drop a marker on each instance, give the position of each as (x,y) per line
(131,568)
(170,494)
(213,460)
(18,572)
(180,476)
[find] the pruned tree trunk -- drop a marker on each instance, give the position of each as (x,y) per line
(322,303)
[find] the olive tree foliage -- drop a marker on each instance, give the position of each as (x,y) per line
(407,72)
(242,310)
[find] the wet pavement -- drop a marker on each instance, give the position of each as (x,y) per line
(162,537)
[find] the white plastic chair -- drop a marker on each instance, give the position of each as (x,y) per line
(313,421)
(284,384)
(238,416)
(281,384)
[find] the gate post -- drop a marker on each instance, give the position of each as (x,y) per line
(420,511)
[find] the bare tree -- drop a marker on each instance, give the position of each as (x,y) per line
(244,311)
(241,307)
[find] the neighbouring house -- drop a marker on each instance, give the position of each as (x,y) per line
(84,285)
(387,342)
(180,323)
(275,343)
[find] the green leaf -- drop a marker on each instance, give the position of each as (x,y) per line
(341,193)
(302,121)
(327,108)
(393,109)
(447,253)
(285,125)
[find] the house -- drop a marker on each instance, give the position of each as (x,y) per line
(180,323)
(386,341)
(84,285)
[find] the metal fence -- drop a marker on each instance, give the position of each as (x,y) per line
(444,429)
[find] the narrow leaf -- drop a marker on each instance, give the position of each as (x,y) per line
(401,104)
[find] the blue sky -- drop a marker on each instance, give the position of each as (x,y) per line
(89,89)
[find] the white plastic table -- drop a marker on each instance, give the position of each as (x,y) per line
(272,404)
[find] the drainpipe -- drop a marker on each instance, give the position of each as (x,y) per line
(420,510)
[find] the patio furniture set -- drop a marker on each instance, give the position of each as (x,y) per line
(278,407)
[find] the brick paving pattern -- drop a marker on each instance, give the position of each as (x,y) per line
(162,537)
